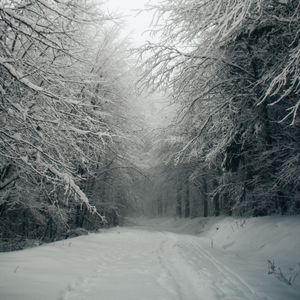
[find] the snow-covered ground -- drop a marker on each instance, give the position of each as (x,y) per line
(209,259)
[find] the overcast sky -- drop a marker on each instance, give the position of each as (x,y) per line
(155,107)
(137,24)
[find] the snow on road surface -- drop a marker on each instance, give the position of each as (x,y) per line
(138,263)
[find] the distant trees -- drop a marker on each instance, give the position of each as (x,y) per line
(233,67)
(63,72)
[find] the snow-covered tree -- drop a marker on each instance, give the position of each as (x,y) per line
(64,91)
(232,66)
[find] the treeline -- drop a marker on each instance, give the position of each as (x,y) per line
(64,120)
(233,70)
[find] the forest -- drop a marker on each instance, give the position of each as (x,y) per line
(77,149)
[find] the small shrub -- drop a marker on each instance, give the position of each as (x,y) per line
(288,279)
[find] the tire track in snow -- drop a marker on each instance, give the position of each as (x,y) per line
(230,274)
(229,284)
(188,284)
(160,255)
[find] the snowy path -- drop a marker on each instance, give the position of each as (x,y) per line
(153,265)
(130,263)
(125,264)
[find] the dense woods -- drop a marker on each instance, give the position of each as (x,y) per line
(65,119)
(74,154)
(232,68)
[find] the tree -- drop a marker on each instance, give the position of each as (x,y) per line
(63,72)
(228,66)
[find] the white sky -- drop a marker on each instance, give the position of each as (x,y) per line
(155,108)
(137,24)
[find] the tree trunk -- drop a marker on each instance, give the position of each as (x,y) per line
(187,200)
(216,200)
(216,205)
(205,200)
(178,200)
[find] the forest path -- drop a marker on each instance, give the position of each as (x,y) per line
(148,264)
(128,263)
(151,259)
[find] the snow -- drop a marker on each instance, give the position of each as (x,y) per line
(19,76)
(212,259)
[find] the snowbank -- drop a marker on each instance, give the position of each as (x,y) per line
(265,251)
